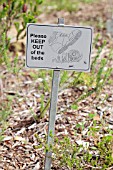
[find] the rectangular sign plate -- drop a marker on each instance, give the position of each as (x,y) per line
(58,47)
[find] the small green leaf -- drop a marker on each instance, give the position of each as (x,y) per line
(74,107)
(91,115)
(17,26)
(51,134)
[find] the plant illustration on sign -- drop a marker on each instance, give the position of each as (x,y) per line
(60,42)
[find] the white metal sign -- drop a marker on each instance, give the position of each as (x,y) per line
(58,47)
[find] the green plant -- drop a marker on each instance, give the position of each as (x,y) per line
(3,50)
(97,78)
(79,156)
(61,5)
(89,1)
(67,5)
(64,77)
(94,81)
(17,14)
(68,153)
(5,111)
(74,107)
(105,147)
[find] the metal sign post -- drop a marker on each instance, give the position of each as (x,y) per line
(53,109)
(109,23)
(52,116)
(110,27)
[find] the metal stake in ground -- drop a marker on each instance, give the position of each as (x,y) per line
(52,113)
